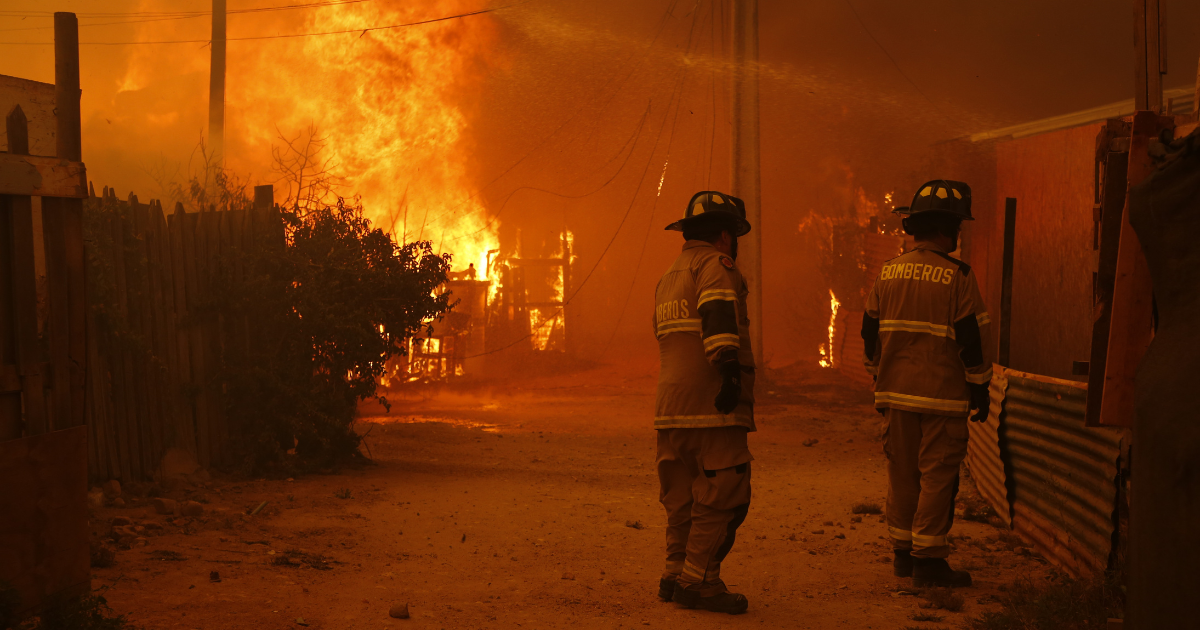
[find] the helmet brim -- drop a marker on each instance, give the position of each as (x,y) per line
(741,226)
(906,211)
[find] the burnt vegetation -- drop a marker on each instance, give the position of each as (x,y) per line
(1058,603)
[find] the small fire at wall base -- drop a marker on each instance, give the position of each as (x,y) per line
(826,348)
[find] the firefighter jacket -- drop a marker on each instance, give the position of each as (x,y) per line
(923,333)
(699,317)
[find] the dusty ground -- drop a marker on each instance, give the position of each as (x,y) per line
(537,508)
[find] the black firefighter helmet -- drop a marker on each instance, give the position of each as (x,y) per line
(941,195)
(710,205)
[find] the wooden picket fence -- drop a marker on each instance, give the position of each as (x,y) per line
(155,343)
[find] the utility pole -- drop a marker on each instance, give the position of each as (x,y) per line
(1151,58)
(745,173)
(216,84)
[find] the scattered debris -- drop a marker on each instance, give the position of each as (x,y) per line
(839,535)
(344,493)
(165,506)
(297,558)
(818,531)
(118,521)
(95,498)
(214,576)
(399,611)
(258,509)
(828,523)
(167,555)
(855,519)
(942,599)
(635,524)
(111,488)
(102,555)
(810,442)
(866,508)
(301,622)
(191,508)
(464,538)
(926,617)
(568,576)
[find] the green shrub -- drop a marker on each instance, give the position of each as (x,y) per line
(324,310)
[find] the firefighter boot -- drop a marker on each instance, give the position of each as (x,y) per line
(937,572)
(902,563)
(731,603)
(666,588)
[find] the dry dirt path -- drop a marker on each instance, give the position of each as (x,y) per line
(537,508)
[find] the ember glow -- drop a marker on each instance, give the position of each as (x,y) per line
(826,349)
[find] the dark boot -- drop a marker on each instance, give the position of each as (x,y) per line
(666,588)
(902,563)
(937,572)
(731,603)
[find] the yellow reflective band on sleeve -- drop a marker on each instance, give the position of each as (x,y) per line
(894,325)
(678,325)
(899,534)
(674,567)
(906,400)
(980,379)
(983,318)
(723,339)
(727,295)
(920,540)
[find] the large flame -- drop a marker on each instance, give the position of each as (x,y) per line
(390,106)
(394,107)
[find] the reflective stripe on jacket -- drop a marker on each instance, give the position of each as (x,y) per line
(699,316)
(931,333)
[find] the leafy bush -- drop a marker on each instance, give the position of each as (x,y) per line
(325,307)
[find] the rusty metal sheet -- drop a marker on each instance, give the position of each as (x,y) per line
(45,524)
(983,452)
(1062,478)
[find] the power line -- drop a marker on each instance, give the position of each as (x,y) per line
(180,14)
(680,88)
(144,17)
(645,54)
(362,31)
(894,64)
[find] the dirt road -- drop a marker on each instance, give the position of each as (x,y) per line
(537,508)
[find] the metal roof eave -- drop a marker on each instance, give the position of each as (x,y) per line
(1176,97)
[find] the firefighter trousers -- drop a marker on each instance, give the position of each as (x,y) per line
(924,452)
(704,479)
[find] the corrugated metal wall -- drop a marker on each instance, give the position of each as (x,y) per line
(983,453)
(1060,478)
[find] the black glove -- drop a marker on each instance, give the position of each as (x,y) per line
(980,400)
(731,386)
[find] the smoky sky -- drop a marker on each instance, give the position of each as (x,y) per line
(604,117)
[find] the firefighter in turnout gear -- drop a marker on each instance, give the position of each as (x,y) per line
(704,407)
(923,334)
